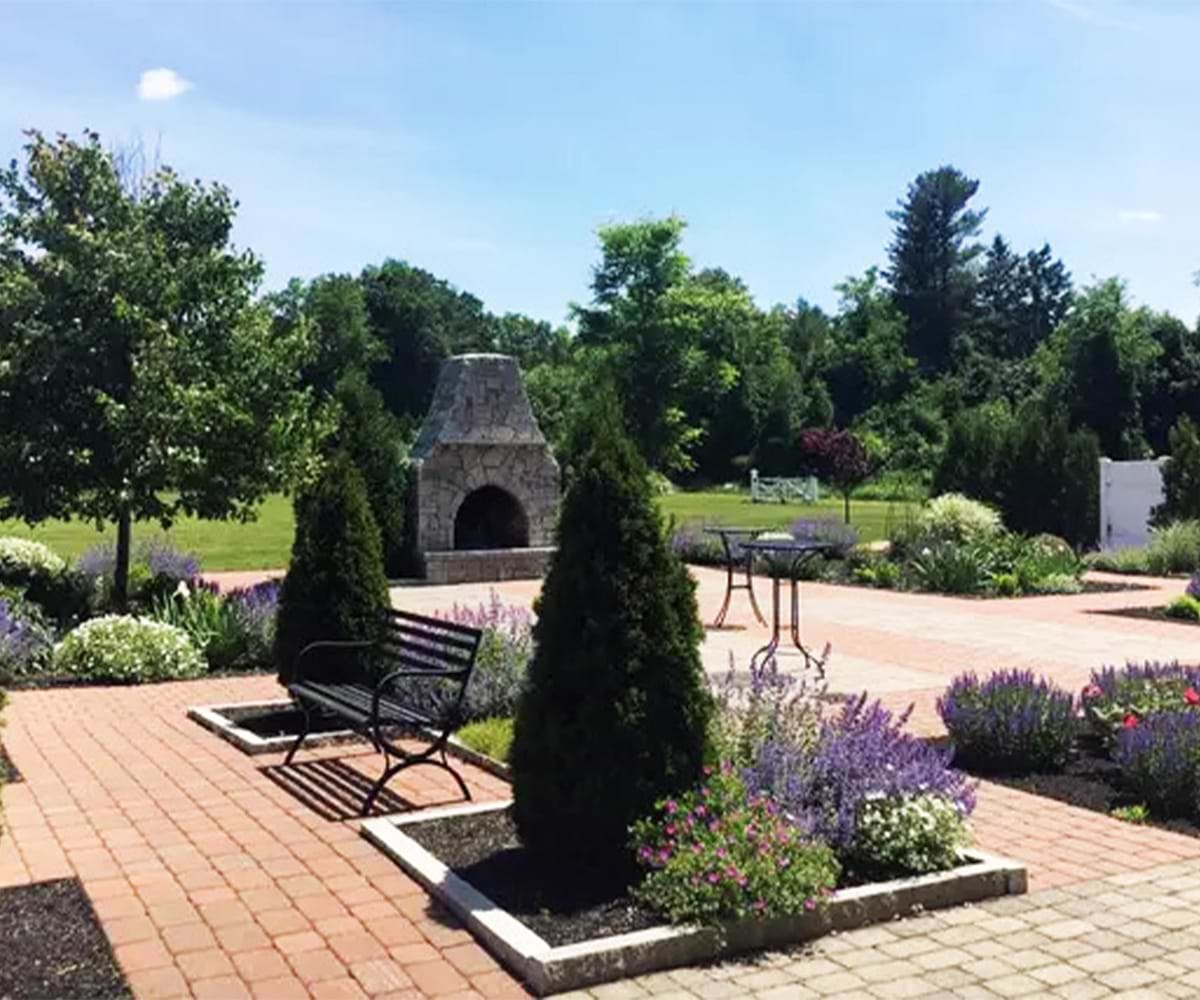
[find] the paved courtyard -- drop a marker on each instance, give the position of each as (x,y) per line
(219,875)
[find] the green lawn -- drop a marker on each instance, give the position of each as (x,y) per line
(262,544)
(266,543)
(871,517)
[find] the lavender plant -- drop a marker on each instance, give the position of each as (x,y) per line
(1157,756)
(1118,696)
(500,666)
(861,753)
(843,537)
(156,568)
(25,639)
(1009,721)
(692,545)
(768,707)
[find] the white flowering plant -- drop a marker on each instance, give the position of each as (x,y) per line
(20,557)
(124,649)
(953,517)
(913,834)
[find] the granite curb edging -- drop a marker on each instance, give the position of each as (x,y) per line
(547,969)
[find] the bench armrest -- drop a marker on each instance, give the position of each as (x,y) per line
(326,644)
(432,674)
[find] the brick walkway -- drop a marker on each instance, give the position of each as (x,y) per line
(220,875)
(1130,935)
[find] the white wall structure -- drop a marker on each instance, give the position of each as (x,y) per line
(1129,491)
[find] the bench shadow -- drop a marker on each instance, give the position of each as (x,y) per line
(334,790)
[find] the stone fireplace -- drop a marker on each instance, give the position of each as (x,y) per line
(486,484)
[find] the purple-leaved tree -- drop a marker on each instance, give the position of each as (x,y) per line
(839,458)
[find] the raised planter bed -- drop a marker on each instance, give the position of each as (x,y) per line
(638,949)
(257,727)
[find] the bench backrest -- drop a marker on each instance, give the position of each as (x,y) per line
(416,642)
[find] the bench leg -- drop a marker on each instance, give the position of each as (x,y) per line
(300,739)
(390,771)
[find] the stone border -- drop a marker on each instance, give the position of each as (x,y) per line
(211,718)
(548,969)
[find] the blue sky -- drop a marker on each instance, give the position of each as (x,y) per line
(485,142)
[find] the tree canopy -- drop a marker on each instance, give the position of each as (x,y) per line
(139,377)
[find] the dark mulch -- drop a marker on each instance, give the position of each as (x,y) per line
(53,945)
(563,903)
(1155,614)
(8,770)
(267,723)
(1090,781)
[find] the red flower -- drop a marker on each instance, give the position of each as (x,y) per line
(1192,696)
(1131,721)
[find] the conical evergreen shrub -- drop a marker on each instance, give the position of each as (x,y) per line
(335,585)
(616,706)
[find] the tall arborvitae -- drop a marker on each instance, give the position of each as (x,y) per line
(335,586)
(616,707)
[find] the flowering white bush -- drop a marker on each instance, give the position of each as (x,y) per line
(915,834)
(21,557)
(126,649)
(953,517)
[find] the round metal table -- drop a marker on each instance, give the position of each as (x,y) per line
(736,557)
(785,557)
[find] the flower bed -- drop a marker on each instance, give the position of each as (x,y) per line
(605,935)
(1129,745)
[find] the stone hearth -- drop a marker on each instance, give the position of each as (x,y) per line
(487,485)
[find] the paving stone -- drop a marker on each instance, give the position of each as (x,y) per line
(1017,985)
(1128,978)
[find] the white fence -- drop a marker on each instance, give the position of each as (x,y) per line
(1129,491)
(781,490)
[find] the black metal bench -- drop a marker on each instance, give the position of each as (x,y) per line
(419,651)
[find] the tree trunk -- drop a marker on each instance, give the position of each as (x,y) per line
(846,502)
(121,570)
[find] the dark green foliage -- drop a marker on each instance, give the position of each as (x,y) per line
(931,252)
(335,586)
(1181,476)
(421,320)
(1042,476)
(616,708)
(371,437)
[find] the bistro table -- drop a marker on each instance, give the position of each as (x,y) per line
(784,558)
(737,556)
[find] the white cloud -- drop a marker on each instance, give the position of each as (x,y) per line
(1139,217)
(1090,15)
(161,85)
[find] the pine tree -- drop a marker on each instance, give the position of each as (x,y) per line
(335,586)
(1181,476)
(930,256)
(616,708)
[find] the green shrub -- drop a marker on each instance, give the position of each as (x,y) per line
(1043,563)
(230,638)
(44,578)
(491,737)
(1055,583)
(953,517)
(615,711)
(1174,548)
(123,649)
(949,568)
(1184,607)
(335,586)
(717,854)
(910,835)
(1007,584)
(22,559)
(1181,476)
(1126,560)
(371,436)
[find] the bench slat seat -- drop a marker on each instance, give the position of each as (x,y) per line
(416,650)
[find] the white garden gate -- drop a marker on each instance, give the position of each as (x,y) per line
(1129,491)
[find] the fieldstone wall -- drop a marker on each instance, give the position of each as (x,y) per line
(480,431)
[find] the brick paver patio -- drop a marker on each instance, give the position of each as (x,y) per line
(216,874)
